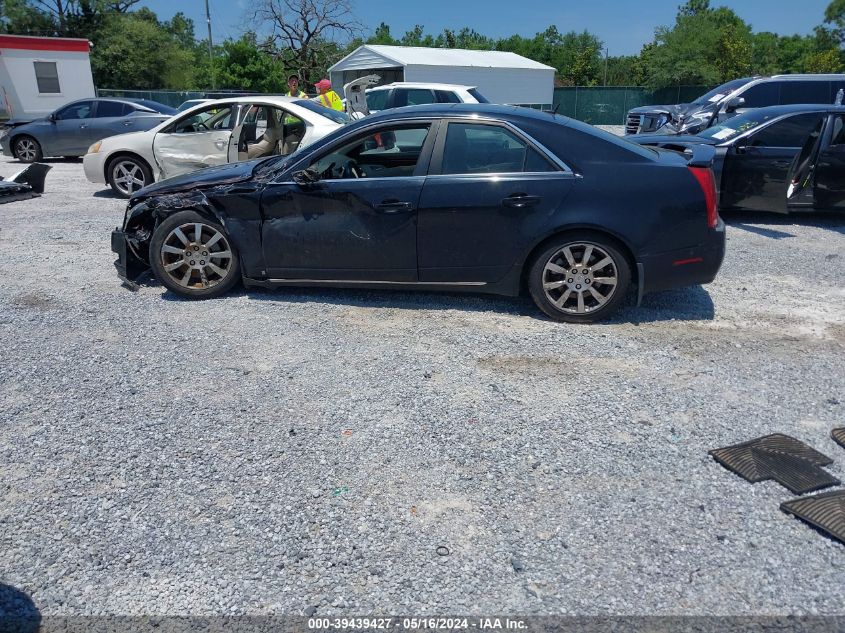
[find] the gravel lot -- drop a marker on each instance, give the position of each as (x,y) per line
(277,452)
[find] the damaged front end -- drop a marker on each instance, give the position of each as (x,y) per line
(685,118)
(131,243)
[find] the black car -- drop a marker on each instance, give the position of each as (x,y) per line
(478,198)
(756,157)
(731,99)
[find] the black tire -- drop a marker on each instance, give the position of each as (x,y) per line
(26,149)
(611,281)
(197,268)
(121,168)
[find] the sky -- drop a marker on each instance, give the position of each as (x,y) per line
(623,25)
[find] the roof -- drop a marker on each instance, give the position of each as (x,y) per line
(422,84)
(459,57)
(30,43)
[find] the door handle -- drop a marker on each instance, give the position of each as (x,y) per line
(521,201)
(83,126)
(781,163)
(393,206)
(127,123)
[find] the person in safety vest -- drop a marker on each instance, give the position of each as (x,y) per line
(328,97)
(293,88)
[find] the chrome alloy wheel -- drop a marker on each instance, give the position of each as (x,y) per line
(128,177)
(580,278)
(196,256)
(26,150)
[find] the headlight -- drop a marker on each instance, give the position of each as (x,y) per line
(95,147)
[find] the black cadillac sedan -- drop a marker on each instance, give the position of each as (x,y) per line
(455,197)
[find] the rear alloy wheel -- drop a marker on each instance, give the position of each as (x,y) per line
(128,175)
(579,279)
(27,149)
(193,257)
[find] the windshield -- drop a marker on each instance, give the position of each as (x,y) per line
(737,125)
(719,93)
(330,113)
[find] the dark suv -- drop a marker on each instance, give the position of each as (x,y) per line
(732,98)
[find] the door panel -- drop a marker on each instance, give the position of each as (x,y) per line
(362,229)
(756,170)
(471,226)
(829,176)
(197,141)
(72,131)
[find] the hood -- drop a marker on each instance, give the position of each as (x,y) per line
(675,111)
(16,122)
(203,178)
(662,140)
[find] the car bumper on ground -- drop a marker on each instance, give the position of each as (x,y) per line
(94,166)
(129,266)
(684,267)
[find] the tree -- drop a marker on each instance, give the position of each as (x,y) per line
(304,33)
(136,51)
(244,64)
(80,18)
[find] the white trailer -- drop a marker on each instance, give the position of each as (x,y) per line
(500,76)
(40,74)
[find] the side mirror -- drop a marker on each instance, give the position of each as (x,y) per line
(51,117)
(734,104)
(305,177)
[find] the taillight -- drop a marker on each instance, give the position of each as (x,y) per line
(704,176)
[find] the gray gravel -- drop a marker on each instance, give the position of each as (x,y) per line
(310,450)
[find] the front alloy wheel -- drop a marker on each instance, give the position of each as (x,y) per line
(27,150)
(193,257)
(580,280)
(127,177)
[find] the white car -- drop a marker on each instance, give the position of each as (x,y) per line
(224,131)
(406,93)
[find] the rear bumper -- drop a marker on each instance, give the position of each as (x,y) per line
(129,266)
(684,267)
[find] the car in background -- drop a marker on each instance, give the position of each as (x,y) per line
(71,129)
(446,197)
(406,93)
(756,157)
(190,103)
(731,99)
(215,133)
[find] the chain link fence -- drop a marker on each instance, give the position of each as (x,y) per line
(595,105)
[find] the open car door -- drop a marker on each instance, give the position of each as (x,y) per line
(817,175)
(197,141)
(355,93)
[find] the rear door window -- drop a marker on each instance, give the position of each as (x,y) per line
(472,148)
(107,109)
(413,96)
(446,96)
(789,132)
(377,100)
(805,92)
(762,95)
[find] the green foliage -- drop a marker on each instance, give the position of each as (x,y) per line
(243,65)
(135,50)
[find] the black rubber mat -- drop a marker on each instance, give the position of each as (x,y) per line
(788,461)
(825,512)
(838,436)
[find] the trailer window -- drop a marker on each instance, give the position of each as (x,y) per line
(47,77)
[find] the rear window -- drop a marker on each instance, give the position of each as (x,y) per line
(330,113)
(412,96)
(478,96)
(446,96)
(110,109)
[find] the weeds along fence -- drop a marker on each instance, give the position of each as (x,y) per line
(596,105)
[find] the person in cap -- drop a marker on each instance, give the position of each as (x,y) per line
(293,87)
(328,97)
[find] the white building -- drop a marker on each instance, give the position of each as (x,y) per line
(40,74)
(501,77)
